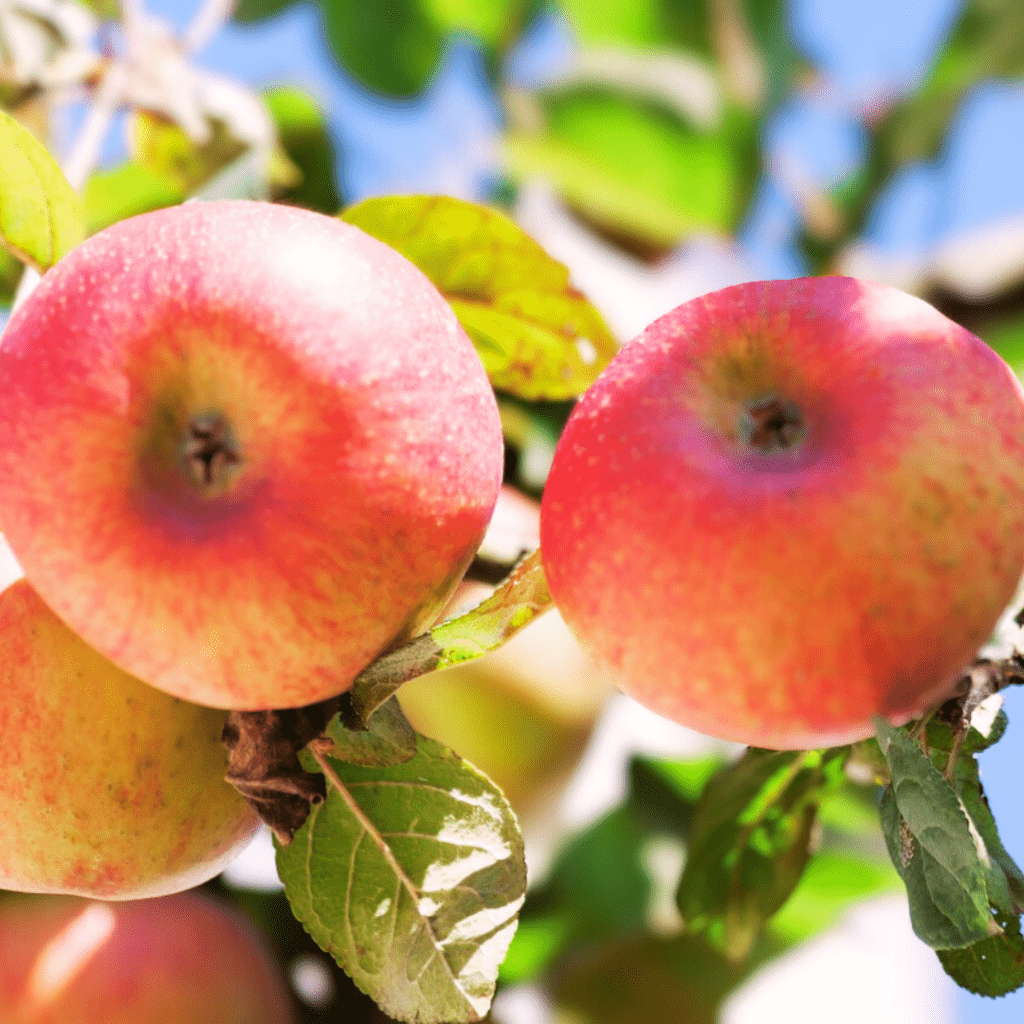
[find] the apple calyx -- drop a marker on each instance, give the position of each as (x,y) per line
(771,424)
(210,452)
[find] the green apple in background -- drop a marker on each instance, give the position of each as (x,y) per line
(184,959)
(244,449)
(790,506)
(108,787)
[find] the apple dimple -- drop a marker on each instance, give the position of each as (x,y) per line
(772,424)
(210,452)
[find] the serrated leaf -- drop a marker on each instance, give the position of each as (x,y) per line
(932,847)
(520,598)
(749,841)
(1004,880)
(40,216)
(386,739)
(538,337)
(411,877)
(992,967)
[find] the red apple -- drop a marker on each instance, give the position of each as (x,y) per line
(244,448)
(184,959)
(790,506)
(108,788)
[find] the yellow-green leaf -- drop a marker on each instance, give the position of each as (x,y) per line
(40,218)
(538,337)
(162,147)
(126,191)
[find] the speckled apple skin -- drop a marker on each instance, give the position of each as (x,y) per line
(185,959)
(783,599)
(371,450)
(108,787)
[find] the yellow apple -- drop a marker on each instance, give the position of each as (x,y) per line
(108,787)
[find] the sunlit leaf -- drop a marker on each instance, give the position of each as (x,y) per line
(412,877)
(520,598)
(639,23)
(40,216)
(537,336)
(125,191)
(488,20)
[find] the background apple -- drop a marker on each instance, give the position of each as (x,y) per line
(185,959)
(108,787)
(789,506)
(243,449)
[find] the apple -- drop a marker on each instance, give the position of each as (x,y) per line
(185,958)
(244,449)
(108,787)
(788,507)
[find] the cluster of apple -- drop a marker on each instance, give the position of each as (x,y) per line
(244,448)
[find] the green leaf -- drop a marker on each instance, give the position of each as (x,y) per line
(749,842)
(390,46)
(631,167)
(40,216)
(537,336)
(488,20)
(638,23)
(386,739)
(411,877)
(302,129)
(932,846)
(10,274)
(125,191)
(520,598)
(991,967)
(987,42)
(249,11)
(1007,338)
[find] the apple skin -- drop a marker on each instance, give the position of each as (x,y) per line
(244,449)
(781,584)
(108,787)
(186,959)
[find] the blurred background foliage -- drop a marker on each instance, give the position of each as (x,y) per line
(659,148)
